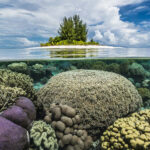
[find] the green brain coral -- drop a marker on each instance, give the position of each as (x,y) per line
(43,136)
(99,97)
(128,133)
(8,96)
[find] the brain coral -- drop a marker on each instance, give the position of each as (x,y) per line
(12,79)
(43,136)
(99,97)
(128,133)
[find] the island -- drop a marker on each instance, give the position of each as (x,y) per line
(72,31)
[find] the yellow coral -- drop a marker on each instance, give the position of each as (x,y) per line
(134,133)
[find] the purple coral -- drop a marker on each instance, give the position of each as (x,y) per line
(12,136)
(17,115)
(22,114)
(27,106)
(13,124)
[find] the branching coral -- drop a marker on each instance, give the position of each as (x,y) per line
(128,133)
(43,136)
(8,96)
(12,79)
(99,97)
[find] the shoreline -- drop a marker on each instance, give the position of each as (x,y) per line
(73,46)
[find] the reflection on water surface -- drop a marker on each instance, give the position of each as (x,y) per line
(72,53)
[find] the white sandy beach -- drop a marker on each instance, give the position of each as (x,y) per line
(74,47)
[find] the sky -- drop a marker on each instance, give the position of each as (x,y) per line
(26,23)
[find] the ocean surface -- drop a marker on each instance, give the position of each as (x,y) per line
(45,53)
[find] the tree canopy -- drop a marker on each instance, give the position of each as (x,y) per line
(72,30)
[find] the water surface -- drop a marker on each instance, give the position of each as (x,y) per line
(46,53)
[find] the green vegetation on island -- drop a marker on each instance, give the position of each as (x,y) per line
(72,31)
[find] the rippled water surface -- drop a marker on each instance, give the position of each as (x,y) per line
(45,53)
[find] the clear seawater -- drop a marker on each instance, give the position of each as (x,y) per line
(132,63)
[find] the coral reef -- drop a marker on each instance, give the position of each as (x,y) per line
(128,133)
(43,136)
(145,93)
(99,97)
(113,67)
(95,145)
(24,83)
(137,70)
(8,96)
(85,64)
(37,71)
(38,67)
(20,67)
(99,65)
(69,131)
(146,83)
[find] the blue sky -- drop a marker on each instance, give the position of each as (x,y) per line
(111,22)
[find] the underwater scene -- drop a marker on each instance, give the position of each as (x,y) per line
(84,104)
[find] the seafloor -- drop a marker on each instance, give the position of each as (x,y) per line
(93,104)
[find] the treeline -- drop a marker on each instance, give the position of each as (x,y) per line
(72,31)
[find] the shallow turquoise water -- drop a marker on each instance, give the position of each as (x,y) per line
(38,53)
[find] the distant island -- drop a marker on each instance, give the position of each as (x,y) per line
(72,31)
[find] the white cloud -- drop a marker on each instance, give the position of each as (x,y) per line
(32,18)
(26,42)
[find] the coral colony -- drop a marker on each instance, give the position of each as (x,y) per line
(75,105)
